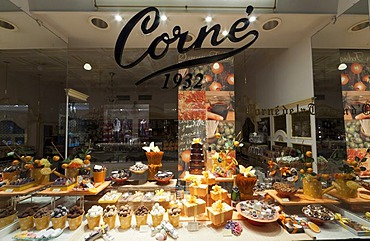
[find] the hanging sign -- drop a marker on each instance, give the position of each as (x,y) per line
(179,36)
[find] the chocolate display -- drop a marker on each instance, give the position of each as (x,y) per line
(7,212)
(74,212)
(139,167)
(125,211)
(284,189)
(174,211)
(110,211)
(21,181)
(318,212)
(197,165)
(61,181)
(30,211)
(59,211)
(42,212)
(119,174)
(141,211)
(258,210)
(163,175)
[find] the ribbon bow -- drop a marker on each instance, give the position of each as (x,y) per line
(196,183)
(340,219)
(218,206)
(216,188)
(159,192)
(192,199)
(205,174)
(196,140)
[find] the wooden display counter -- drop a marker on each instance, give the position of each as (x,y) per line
(362,198)
(300,199)
(149,186)
(10,192)
(55,192)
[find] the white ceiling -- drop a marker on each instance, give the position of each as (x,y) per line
(48,37)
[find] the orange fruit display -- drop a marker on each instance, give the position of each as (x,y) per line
(356,68)
(56,158)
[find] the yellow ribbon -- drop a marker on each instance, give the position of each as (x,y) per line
(196,183)
(205,174)
(192,199)
(159,192)
(196,140)
(218,206)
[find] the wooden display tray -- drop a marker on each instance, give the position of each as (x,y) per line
(100,187)
(362,198)
(19,188)
(63,187)
(149,186)
(113,201)
(300,199)
(7,193)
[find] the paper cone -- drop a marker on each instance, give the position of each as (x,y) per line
(26,223)
(59,222)
(125,222)
(42,223)
(7,220)
(174,220)
(141,220)
(93,222)
(111,221)
(157,219)
(74,223)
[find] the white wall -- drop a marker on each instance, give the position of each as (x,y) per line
(285,78)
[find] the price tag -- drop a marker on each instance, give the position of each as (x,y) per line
(227,233)
(8,190)
(193,226)
(285,199)
(144,228)
(89,185)
(56,190)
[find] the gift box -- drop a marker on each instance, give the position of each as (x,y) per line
(220,217)
(194,208)
(200,190)
(208,178)
(219,195)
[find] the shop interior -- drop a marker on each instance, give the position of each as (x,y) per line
(287,98)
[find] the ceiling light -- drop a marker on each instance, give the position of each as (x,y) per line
(118,18)
(359,26)
(271,24)
(225,33)
(252,19)
(4,24)
(87,66)
(163,17)
(99,23)
(342,66)
(208,19)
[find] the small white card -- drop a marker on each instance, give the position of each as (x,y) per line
(89,185)
(8,190)
(56,190)
(227,233)
(193,226)
(144,228)
(285,199)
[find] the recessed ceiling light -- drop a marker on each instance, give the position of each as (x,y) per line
(163,17)
(208,19)
(87,66)
(4,24)
(359,26)
(225,33)
(118,18)
(271,24)
(99,23)
(342,66)
(252,19)
(216,65)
